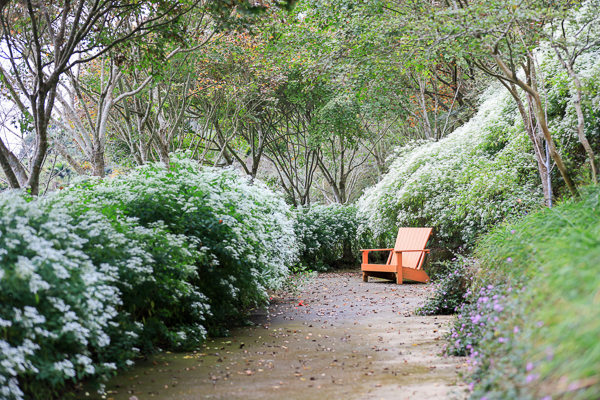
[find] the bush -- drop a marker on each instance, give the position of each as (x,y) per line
(58,308)
(328,236)
(244,230)
(461,185)
(106,269)
(452,280)
(533,320)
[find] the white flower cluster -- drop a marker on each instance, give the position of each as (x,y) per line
(261,221)
(560,95)
(322,232)
(52,294)
(461,184)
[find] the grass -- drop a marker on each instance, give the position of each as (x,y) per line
(554,254)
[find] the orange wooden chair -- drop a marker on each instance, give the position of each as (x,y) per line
(405,260)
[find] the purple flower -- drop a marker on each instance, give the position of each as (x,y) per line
(531,377)
(516,330)
(549,354)
(471,386)
(529,367)
(513,231)
(509,259)
(540,324)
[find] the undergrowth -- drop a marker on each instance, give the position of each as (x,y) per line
(531,322)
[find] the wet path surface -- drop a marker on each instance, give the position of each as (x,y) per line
(340,338)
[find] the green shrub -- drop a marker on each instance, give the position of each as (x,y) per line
(58,308)
(452,281)
(328,236)
(103,270)
(541,337)
(241,232)
(461,185)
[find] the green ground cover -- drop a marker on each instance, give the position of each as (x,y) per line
(531,319)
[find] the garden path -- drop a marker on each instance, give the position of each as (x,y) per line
(348,339)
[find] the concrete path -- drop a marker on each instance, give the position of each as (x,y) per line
(339,338)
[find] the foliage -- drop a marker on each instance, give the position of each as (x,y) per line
(461,185)
(328,236)
(244,229)
(560,97)
(105,269)
(533,318)
(452,280)
(58,308)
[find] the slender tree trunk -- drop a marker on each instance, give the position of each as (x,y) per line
(98,160)
(7,167)
(43,103)
(428,133)
(72,162)
(15,166)
(580,118)
(581,124)
(537,149)
(541,118)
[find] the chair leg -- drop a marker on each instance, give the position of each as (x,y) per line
(365,277)
(399,277)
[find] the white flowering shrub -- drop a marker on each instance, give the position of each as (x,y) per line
(58,309)
(460,185)
(94,274)
(240,232)
(152,269)
(328,236)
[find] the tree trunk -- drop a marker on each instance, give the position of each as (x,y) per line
(581,124)
(580,118)
(541,118)
(13,164)
(43,103)
(428,132)
(72,162)
(163,151)
(7,167)
(98,160)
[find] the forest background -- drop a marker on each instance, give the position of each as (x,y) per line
(315,102)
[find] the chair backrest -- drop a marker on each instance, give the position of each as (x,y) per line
(411,239)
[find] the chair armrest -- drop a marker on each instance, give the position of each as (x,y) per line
(377,250)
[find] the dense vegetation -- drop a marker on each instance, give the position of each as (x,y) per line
(105,271)
(164,164)
(531,320)
(328,237)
